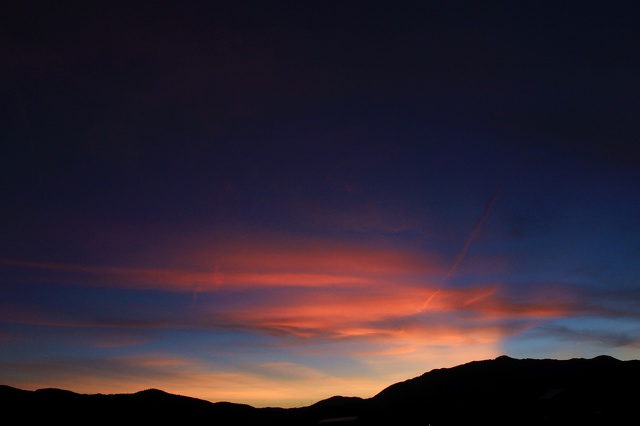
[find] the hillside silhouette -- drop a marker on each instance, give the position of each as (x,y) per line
(502,391)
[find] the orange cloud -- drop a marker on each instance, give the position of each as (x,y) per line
(317,289)
(336,296)
(249,264)
(391,311)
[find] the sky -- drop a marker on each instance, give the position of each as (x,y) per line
(276,202)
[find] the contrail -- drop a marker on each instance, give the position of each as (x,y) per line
(472,235)
(465,248)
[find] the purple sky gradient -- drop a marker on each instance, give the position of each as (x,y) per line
(274,203)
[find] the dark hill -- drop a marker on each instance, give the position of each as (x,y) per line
(515,391)
(55,406)
(503,391)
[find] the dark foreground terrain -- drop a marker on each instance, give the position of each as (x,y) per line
(503,391)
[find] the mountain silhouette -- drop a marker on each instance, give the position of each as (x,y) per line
(502,391)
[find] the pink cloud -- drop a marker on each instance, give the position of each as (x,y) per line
(259,263)
(312,288)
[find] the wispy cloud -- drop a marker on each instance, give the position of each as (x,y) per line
(380,308)
(252,265)
(605,337)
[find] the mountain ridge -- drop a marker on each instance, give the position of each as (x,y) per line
(495,391)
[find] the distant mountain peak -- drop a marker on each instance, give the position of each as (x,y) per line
(337,401)
(504,358)
(606,358)
(152,391)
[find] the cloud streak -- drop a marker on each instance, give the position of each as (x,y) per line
(472,235)
(377,308)
(252,265)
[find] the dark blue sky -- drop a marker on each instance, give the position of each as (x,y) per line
(240,200)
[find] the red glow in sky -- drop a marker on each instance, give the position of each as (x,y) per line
(277,205)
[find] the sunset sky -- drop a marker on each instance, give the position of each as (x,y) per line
(276,202)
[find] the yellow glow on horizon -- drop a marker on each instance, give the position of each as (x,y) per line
(280,384)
